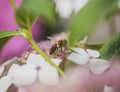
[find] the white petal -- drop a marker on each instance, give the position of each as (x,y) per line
(35,60)
(5,83)
(1,70)
(24,76)
(64,8)
(48,76)
(13,69)
(93,53)
(108,89)
(57,61)
(78,59)
(45,64)
(79,4)
(98,66)
(80,51)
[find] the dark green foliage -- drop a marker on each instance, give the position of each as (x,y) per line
(111,48)
(30,10)
(3,41)
(9,33)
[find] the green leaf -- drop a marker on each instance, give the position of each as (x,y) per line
(84,21)
(4,34)
(7,35)
(111,48)
(95,46)
(32,9)
(3,42)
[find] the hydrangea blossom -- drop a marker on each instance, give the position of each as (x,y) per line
(36,69)
(88,58)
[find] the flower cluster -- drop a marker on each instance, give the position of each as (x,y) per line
(52,65)
(91,72)
(88,58)
(36,69)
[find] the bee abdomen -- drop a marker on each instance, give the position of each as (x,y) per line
(53,49)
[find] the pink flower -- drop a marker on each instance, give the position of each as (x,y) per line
(16,45)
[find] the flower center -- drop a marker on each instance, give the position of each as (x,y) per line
(38,68)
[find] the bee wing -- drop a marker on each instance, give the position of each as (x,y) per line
(50,38)
(53,41)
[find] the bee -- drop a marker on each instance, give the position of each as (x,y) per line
(59,46)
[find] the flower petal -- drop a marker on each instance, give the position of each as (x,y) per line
(24,76)
(13,48)
(78,59)
(5,83)
(37,60)
(93,53)
(48,76)
(57,61)
(13,69)
(98,66)
(1,70)
(80,51)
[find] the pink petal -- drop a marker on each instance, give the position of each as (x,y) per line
(7,20)
(13,48)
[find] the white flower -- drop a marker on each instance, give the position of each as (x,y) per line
(88,58)
(5,82)
(35,69)
(66,7)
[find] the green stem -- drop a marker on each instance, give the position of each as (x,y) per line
(28,36)
(13,5)
(4,33)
